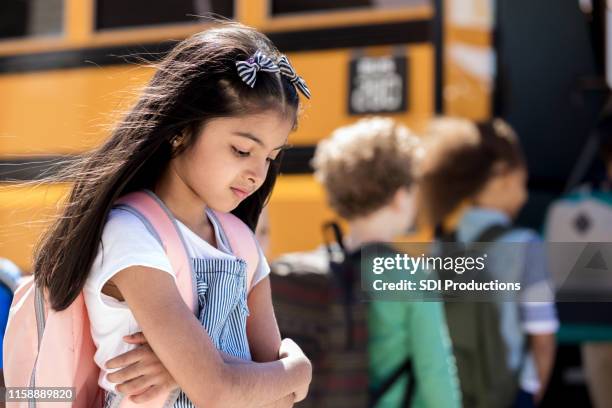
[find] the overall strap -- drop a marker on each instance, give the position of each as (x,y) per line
(241,242)
(153,212)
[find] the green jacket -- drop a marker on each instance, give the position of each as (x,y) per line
(398,330)
(417,330)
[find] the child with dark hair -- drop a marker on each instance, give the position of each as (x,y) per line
(207,134)
(479,173)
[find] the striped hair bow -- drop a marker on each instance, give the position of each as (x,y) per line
(259,62)
(287,70)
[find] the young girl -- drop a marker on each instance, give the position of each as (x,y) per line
(206,134)
(479,172)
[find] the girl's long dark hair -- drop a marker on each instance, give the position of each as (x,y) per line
(196,82)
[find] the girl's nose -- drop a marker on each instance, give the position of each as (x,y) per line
(257,174)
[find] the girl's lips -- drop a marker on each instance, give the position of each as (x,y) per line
(239,193)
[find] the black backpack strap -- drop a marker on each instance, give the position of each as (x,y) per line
(344,273)
(442,235)
(492,233)
(489,234)
(337,237)
(405,368)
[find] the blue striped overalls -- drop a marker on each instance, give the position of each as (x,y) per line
(222,307)
(222,311)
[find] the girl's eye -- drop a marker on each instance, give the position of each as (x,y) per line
(240,153)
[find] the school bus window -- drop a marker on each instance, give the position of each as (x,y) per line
(307,6)
(135,13)
(30,18)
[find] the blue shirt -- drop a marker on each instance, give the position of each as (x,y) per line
(521,263)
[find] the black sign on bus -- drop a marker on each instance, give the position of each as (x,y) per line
(378,85)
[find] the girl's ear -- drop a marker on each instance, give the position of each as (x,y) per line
(177,141)
(181,140)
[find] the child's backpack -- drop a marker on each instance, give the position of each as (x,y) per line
(47,348)
(478,345)
(317,302)
(583,217)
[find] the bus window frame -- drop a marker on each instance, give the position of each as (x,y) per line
(184,26)
(79,25)
(329,18)
(47,38)
(79,31)
(338,10)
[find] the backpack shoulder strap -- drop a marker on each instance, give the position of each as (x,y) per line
(241,241)
(404,368)
(333,238)
(157,217)
(492,233)
(442,235)
(489,234)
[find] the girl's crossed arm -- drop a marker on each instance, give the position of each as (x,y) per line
(177,338)
(265,339)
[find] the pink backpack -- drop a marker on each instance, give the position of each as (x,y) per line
(46,348)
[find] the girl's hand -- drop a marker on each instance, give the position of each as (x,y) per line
(142,376)
(290,350)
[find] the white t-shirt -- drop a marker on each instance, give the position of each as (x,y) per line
(126,242)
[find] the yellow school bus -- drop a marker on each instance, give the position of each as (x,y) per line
(67,73)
